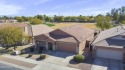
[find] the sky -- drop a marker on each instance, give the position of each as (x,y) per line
(58,7)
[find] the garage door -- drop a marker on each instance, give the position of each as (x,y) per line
(109,53)
(68,47)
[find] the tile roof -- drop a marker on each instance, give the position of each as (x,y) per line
(43,37)
(40,29)
(13,24)
(111,43)
(78,31)
(109,33)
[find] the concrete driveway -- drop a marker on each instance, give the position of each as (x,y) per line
(107,64)
(60,58)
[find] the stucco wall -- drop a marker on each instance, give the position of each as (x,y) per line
(82,46)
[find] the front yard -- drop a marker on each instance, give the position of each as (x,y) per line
(57,57)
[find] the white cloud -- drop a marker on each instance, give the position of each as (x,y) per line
(41,2)
(9,9)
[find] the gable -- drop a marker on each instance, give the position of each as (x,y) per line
(119,30)
(43,38)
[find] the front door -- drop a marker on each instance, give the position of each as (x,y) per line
(50,46)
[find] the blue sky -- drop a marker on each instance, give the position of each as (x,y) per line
(56,7)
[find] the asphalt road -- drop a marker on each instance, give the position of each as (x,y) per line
(7,67)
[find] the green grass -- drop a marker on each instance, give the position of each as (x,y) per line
(50,25)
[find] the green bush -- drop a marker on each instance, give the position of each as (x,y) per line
(13,53)
(78,58)
(30,55)
(42,56)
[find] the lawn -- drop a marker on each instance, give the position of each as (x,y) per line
(62,25)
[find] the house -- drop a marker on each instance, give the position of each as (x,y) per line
(2,21)
(8,21)
(110,43)
(12,21)
(40,29)
(26,28)
(69,39)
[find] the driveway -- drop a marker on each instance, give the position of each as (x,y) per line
(60,58)
(106,64)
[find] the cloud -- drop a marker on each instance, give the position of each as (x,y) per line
(9,9)
(70,5)
(94,11)
(41,2)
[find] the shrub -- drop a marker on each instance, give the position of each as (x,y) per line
(32,49)
(42,56)
(78,58)
(13,53)
(30,55)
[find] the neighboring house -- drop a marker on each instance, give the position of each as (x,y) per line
(40,29)
(68,39)
(26,28)
(30,30)
(2,21)
(8,21)
(12,21)
(110,43)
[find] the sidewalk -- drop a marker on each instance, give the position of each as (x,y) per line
(17,62)
(39,65)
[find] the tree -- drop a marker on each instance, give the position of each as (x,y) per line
(103,22)
(10,36)
(19,19)
(35,21)
(25,18)
(5,17)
